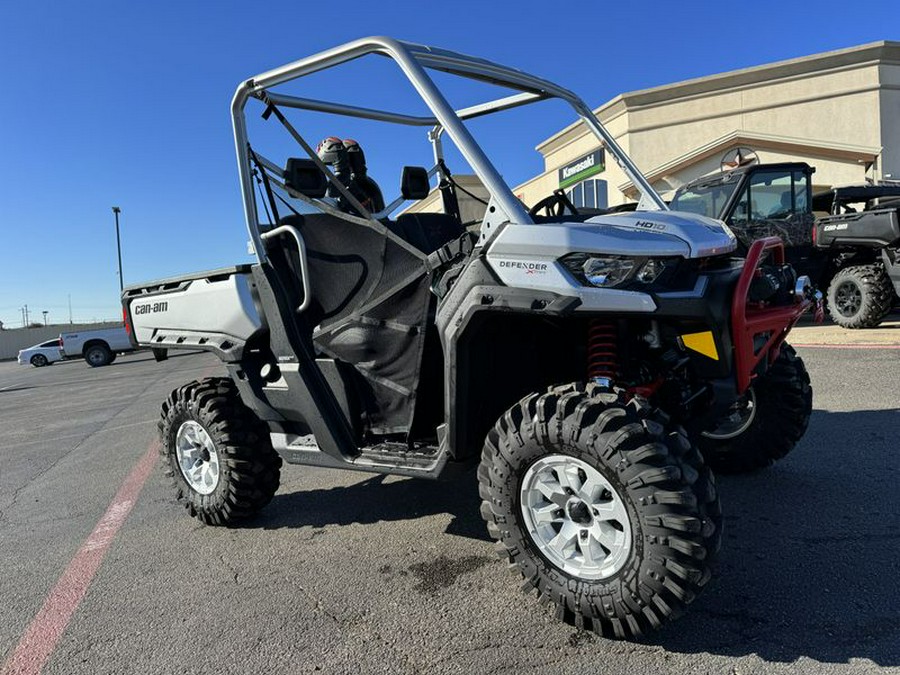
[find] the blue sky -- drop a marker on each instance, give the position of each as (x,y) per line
(127,104)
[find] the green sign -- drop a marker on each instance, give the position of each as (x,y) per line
(581,168)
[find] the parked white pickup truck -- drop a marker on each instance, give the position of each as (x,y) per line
(98,347)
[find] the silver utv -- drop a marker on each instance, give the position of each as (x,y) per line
(563,352)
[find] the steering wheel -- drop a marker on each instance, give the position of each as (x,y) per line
(554,206)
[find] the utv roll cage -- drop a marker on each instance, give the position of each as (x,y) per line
(413,60)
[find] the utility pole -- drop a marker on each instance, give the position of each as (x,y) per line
(45,313)
(117,211)
(70,308)
(24,323)
(27,318)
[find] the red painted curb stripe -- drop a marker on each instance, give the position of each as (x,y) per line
(43,633)
(861,345)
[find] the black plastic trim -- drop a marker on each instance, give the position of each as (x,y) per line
(306,396)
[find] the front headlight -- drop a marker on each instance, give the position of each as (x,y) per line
(611,271)
(650,270)
(607,272)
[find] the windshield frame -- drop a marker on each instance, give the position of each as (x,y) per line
(707,187)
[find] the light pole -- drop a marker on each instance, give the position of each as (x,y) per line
(45,313)
(117,211)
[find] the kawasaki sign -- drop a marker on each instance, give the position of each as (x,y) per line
(582,167)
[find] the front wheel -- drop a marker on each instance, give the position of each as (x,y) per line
(609,514)
(39,360)
(766,423)
(217,452)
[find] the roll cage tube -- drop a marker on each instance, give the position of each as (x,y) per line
(413,59)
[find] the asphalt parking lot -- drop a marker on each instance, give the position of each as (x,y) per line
(346,573)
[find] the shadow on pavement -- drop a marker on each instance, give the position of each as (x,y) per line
(376,499)
(142,357)
(810,562)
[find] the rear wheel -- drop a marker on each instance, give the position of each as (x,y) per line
(217,452)
(766,423)
(609,514)
(98,355)
(860,296)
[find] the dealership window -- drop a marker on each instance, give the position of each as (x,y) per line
(590,194)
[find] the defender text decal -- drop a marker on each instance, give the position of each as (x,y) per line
(529,267)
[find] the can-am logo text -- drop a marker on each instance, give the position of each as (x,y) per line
(150,308)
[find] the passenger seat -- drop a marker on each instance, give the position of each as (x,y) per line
(427,231)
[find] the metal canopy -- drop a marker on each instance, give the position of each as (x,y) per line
(413,59)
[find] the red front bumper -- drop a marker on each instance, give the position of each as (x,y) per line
(758,328)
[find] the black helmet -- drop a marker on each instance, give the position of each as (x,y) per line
(355,156)
(331,151)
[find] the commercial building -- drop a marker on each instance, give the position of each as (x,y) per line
(838,111)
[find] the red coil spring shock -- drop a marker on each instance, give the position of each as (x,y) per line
(603,349)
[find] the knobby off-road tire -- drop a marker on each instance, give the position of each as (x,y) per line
(860,296)
(217,452)
(668,507)
(766,423)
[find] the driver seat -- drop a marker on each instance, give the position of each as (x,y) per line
(426,231)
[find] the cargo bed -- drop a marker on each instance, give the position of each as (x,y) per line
(177,313)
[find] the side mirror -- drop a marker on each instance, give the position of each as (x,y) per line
(303,176)
(414,182)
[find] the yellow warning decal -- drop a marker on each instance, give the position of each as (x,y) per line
(704,343)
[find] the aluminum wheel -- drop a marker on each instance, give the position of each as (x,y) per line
(739,419)
(197,457)
(575,517)
(848,298)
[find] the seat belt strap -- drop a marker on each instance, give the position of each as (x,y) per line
(451,251)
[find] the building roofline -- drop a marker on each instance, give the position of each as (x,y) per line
(883,50)
(758,140)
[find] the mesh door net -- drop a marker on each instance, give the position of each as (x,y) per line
(370,305)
